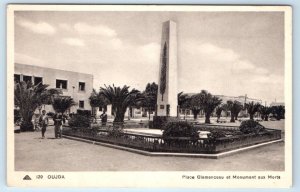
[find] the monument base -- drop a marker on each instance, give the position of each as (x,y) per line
(159,121)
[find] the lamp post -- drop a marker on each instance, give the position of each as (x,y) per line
(73,94)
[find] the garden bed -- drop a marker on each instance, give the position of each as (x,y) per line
(148,143)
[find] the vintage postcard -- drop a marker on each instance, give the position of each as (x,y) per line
(149,96)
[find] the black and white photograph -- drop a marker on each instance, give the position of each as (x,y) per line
(153,96)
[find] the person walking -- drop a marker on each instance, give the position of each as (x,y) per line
(58,120)
(103,117)
(43,122)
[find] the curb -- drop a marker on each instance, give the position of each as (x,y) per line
(166,154)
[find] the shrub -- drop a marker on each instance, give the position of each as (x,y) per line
(115,132)
(50,114)
(86,113)
(251,126)
(79,121)
(215,134)
(180,129)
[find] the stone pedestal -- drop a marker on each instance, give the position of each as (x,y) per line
(160,121)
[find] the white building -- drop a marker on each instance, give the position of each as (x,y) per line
(74,84)
(225,98)
(277,104)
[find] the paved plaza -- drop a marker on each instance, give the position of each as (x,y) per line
(35,154)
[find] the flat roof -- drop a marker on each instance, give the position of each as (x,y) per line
(52,68)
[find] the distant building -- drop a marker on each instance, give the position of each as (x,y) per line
(276,104)
(241,99)
(225,98)
(76,85)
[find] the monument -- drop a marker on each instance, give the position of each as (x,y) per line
(167,102)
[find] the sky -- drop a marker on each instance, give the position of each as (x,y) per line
(226,53)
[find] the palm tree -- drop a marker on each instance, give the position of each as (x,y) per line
(195,105)
(219,110)
(137,103)
(183,102)
(97,100)
(28,98)
(234,107)
(205,101)
(209,103)
(265,112)
(278,112)
(239,108)
(120,98)
(252,108)
(61,104)
(47,97)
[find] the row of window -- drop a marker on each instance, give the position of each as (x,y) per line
(61,84)
(35,80)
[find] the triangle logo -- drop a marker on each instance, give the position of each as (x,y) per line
(27,177)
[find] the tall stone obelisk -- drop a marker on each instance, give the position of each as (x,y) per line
(167,82)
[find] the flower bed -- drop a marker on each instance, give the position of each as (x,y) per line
(232,139)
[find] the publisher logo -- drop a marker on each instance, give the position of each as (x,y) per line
(27,177)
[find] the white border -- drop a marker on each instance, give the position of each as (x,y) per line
(149,179)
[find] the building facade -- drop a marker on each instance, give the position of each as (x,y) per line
(277,104)
(242,99)
(73,84)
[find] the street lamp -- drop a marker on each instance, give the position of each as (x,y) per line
(73,94)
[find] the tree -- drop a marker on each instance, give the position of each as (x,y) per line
(28,98)
(47,97)
(120,98)
(278,112)
(183,102)
(239,108)
(234,107)
(150,97)
(265,112)
(207,102)
(195,105)
(252,108)
(61,104)
(219,110)
(97,100)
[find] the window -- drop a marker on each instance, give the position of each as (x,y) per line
(38,80)
(17,78)
(61,84)
(81,86)
(81,104)
(27,78)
